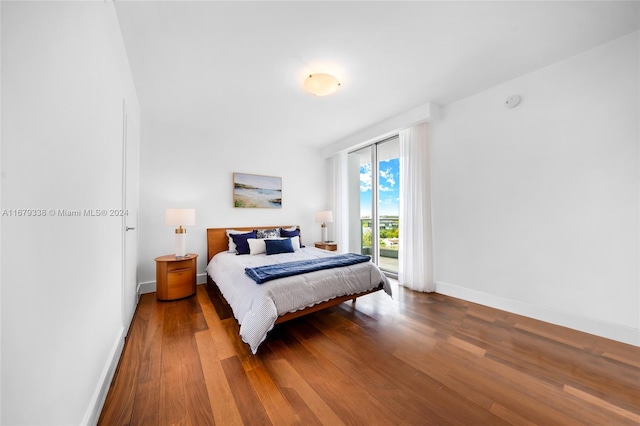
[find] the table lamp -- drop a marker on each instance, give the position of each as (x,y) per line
(323,217)
(180,218)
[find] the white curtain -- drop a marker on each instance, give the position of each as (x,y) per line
(340,201)
(415,257)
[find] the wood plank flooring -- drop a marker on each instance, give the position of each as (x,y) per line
(416,359)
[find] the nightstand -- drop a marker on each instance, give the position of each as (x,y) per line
(327,246)
(175,276)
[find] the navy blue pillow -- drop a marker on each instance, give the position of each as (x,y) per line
(289,234)
(279,246)
(242,245)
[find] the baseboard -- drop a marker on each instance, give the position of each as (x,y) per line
(146,287)
(92,415)
(594,326)
(150,286)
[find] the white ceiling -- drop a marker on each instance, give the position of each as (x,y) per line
(235,70)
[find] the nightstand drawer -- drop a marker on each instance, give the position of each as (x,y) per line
(179,277)
(180,264)
(180,283)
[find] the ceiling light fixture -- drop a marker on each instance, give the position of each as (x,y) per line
(321,84)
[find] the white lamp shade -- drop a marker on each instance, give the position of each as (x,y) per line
(321,84)
(324,216)
(180,217)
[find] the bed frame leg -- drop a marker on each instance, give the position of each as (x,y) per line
(353,301)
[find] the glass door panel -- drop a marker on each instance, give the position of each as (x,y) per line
(388,204)
(361,206)
(374,211)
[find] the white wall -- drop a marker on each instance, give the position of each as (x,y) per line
(186,166)
(64,77)
(536,208)
(1,205)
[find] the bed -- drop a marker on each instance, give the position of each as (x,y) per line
(258,307)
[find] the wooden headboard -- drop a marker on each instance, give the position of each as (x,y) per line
(217,240)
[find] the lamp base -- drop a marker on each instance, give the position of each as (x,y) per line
(180,245)
(324,234)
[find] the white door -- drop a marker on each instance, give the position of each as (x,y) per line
(130,191)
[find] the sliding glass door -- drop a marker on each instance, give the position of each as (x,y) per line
(374,173)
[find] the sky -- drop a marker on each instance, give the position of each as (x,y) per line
(388,181)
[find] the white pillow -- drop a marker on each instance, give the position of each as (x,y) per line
(295,242)
(257,246)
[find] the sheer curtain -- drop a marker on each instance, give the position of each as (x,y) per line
(340,201)
(415,258)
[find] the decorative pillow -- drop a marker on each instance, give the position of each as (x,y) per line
(289,233)
(242,246)
(279,246)
(268,233)
(295,243)
(232,245)
(257,246)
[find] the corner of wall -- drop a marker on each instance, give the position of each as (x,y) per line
(99,397)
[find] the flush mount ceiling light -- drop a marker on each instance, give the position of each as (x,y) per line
(321,84)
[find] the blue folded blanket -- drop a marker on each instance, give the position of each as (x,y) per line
(262,274)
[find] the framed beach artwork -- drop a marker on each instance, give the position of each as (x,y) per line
(255,191)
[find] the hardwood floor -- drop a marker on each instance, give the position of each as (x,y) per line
(415,359)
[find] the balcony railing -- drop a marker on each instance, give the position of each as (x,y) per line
(388,242)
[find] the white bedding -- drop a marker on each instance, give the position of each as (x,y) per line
(257,306)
